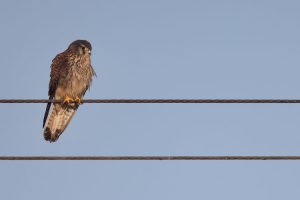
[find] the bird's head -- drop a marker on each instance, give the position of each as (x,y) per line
(80,47)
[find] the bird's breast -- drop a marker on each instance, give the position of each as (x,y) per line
(77,80)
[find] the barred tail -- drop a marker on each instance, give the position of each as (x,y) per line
(59,116)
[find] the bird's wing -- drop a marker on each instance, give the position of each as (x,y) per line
(58,68)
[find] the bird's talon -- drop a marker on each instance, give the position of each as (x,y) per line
(78,100)
(68,100)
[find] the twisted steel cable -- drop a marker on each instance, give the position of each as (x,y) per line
(149,158)
(153,157)
(157,101)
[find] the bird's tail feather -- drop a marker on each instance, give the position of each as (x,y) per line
(57,120)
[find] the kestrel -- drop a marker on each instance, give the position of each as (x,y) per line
(71,76)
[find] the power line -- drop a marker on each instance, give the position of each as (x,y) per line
(149,157)
(153,157)
(157,101)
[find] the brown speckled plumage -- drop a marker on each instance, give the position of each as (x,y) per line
(71,75)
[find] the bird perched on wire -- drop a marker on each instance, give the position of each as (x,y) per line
(71,75)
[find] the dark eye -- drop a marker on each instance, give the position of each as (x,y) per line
(83,48)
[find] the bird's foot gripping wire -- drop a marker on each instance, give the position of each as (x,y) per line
(68,100)
(77,100)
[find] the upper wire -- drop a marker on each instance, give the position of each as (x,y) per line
(157,101)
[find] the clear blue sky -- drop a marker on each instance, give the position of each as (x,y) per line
(155,49)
